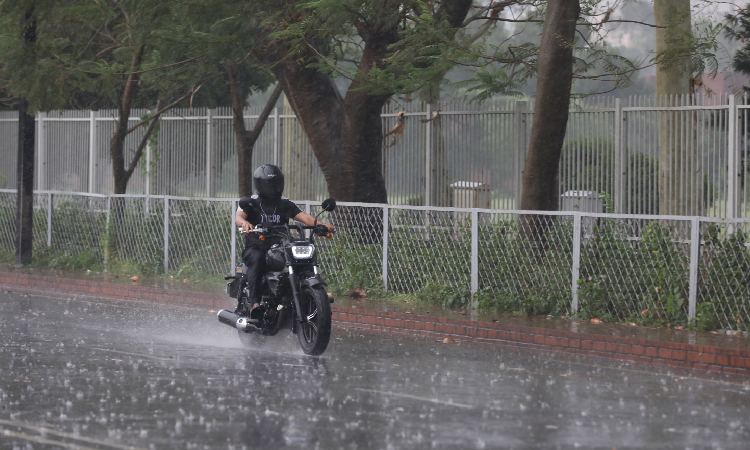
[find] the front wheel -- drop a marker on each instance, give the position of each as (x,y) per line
(315,329)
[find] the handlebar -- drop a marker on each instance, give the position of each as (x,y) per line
(318,229)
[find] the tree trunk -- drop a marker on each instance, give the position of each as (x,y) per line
(246,139)
(120,173)
(25,185)
(439,175)
(25,167)
(346,133)
(540,189)
(347,140)
(346,137)
(680,168)
(117,143)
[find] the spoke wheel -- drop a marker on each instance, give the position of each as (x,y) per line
(315,329)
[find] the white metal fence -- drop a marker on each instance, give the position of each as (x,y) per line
(612,145)
(625,266)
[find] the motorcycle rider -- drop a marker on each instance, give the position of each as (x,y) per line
(267,206)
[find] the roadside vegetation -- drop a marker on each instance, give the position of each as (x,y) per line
(632,271)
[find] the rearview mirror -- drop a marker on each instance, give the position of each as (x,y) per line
(329,204)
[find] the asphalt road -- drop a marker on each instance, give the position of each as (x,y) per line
(96,375)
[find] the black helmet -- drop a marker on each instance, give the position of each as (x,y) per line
(269,182)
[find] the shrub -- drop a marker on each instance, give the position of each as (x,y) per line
(724,282)
(445,296)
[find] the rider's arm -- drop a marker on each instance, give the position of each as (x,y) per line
(240,219)
(309,220)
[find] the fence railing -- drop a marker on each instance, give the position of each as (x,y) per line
(619,265)
(612,146)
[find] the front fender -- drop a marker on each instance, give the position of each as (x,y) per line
(316,280)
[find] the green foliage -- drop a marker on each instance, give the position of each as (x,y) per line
(198,237)
(50,258)
(417,253)
(644,281)
(444,295)
(607,202)
(7,256)
(84,52)
(633,271)
(517,276)
(540,300)
(347,265)
(724,289)
(705,318)
(135,236)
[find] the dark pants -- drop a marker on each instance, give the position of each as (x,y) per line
(255,260)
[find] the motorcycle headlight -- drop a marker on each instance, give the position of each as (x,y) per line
(303,251)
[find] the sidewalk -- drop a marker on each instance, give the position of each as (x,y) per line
(684,348)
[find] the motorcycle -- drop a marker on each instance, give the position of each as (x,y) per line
(292,292)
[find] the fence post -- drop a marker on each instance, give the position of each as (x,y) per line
(695,245)
(49,220)
(234,238)
(621,159)
(42,147)
(92,152)
(107,230)
(519,138)
(147,180)
(386,221)
(166,233)
(474,254)
(209,153)
(733,175)
(576,263)
(428,160)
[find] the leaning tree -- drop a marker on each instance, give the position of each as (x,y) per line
(308,43)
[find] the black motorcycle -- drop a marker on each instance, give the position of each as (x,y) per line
(292,292)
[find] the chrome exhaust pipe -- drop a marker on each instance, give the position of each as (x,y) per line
(233,320)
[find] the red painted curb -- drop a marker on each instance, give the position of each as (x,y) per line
(700,357)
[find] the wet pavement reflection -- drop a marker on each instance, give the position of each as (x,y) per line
(87,374)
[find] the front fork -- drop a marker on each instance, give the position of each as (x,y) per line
(295,295)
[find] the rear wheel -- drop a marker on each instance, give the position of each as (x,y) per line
(315,329)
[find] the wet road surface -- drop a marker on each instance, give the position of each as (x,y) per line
(95,375)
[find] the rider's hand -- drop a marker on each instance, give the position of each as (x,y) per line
(246,227)
(330,227)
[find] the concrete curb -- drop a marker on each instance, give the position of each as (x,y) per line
(691,356)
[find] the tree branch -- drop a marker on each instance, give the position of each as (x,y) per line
(144,141)
(622,21)
(253,135)
(70,66)
(480,14)
(159,112)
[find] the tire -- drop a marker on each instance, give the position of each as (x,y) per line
(253,339)
(314,334)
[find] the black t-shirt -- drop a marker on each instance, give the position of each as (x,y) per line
(259,212)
